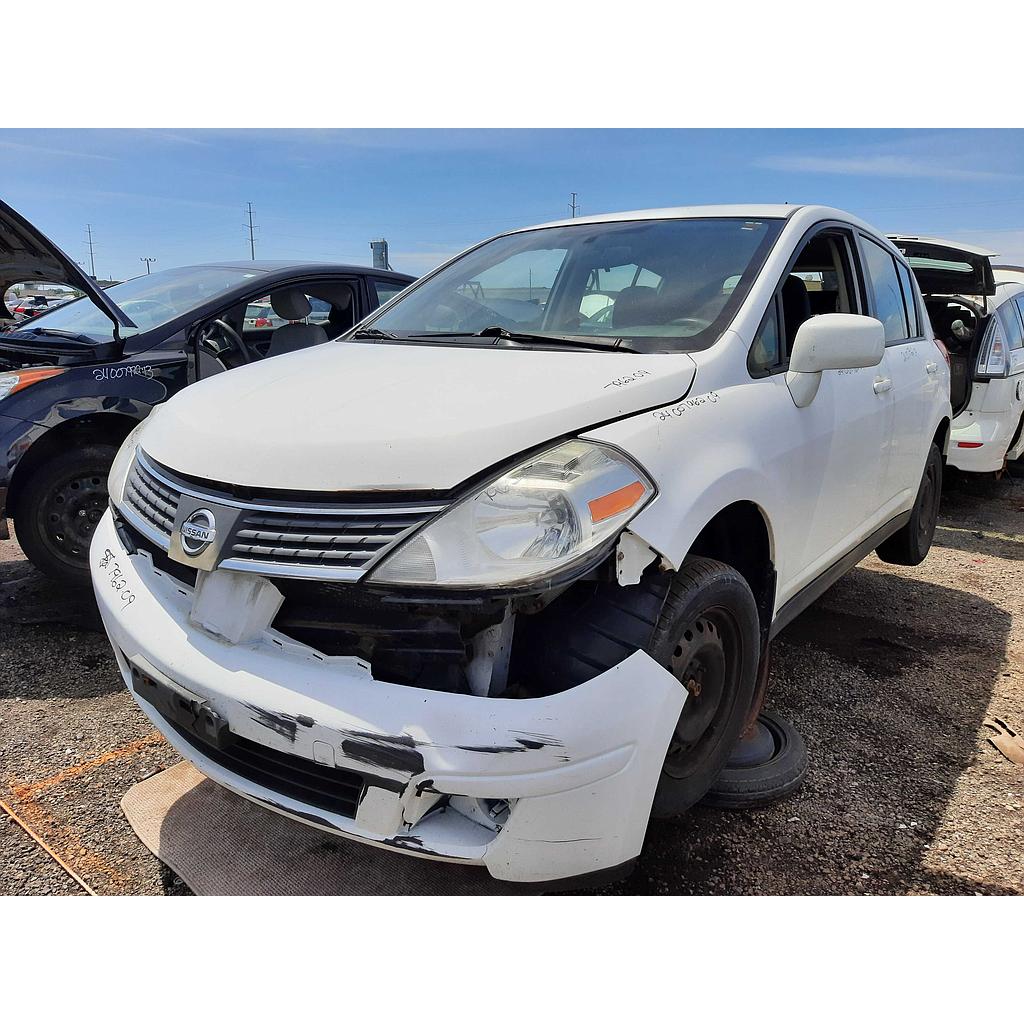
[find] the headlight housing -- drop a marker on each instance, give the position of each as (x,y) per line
(122,464)
(19,379)
(543,517)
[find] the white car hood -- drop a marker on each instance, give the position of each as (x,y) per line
(351,416)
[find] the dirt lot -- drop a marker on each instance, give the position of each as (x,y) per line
(889,677)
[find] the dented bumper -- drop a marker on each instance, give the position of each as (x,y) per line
(534,790)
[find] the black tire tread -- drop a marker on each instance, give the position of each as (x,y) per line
(760,785)
(902,547)
(96,454)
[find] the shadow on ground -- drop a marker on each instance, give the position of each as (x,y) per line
(29,598)
(888,678)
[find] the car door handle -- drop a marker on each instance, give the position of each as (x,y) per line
(882,384)
(931,367)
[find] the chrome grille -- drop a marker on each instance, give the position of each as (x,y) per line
(153,500)
(316,539)
(347,539)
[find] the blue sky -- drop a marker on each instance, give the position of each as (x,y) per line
(179,195)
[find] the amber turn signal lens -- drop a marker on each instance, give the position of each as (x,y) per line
(609,505)
(27,377)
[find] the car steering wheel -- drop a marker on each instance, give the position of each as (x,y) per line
(224,328)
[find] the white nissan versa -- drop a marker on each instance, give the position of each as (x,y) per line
(489,579)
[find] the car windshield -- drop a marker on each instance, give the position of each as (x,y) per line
(667,285)
(150,300)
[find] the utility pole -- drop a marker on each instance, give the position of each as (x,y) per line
(147,260)
(573,205)
(92,255)
(252,238)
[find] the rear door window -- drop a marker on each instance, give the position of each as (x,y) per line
(885,284)
(387,290)
(910,301)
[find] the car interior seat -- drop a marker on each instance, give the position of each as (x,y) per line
(796,308)
(637,304)
(292,304)
(342,316)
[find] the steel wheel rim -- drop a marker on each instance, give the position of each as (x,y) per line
(71,512)
(705,662)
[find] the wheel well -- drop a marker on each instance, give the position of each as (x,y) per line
(103,428)
(738,536)
(941,435)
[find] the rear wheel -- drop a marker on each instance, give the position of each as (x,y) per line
(58,509)
(910,544)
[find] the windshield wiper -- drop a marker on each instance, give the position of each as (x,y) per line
(581,340)
(79,339)
(376,332)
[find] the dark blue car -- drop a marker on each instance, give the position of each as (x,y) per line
(76,380)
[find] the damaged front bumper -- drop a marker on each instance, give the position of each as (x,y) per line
(535,790)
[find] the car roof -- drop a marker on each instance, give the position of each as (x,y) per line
(755,211)
(1007,290)
(309,267)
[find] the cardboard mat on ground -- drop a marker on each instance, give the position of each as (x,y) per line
(220,844)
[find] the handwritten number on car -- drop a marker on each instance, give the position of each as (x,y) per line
(696,402)
(115,577)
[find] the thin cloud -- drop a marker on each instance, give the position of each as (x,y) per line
(877,167)
(136,197)
(28,147)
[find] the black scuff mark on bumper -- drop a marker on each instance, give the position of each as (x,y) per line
(394,753)
(278,721)
(523,741)
(414,843)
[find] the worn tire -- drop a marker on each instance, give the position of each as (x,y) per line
(911,543)
(61,549)
(607,622)
(707,590)
(759,785)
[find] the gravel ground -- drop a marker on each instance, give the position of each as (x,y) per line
(889,678)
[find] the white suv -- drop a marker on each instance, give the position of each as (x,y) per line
(977,311)
(489,580)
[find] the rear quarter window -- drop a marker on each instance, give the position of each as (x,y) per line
(1010,314)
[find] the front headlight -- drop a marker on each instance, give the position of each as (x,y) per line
(11,383)
(122,464)
(543,517)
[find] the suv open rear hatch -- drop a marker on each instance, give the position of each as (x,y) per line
(948,268)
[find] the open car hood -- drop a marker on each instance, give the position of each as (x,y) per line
(349,416)
(948,268)
(26,254)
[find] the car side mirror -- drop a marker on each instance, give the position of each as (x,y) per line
(832,341)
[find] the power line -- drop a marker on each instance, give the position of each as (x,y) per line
(147,260)
(573,205)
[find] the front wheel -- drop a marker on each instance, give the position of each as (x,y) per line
(911,543)
(701,623)
(58,509)
(708,634)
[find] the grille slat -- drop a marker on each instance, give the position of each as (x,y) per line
(343,539)
(367,540)
(151,500)
(313,555)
